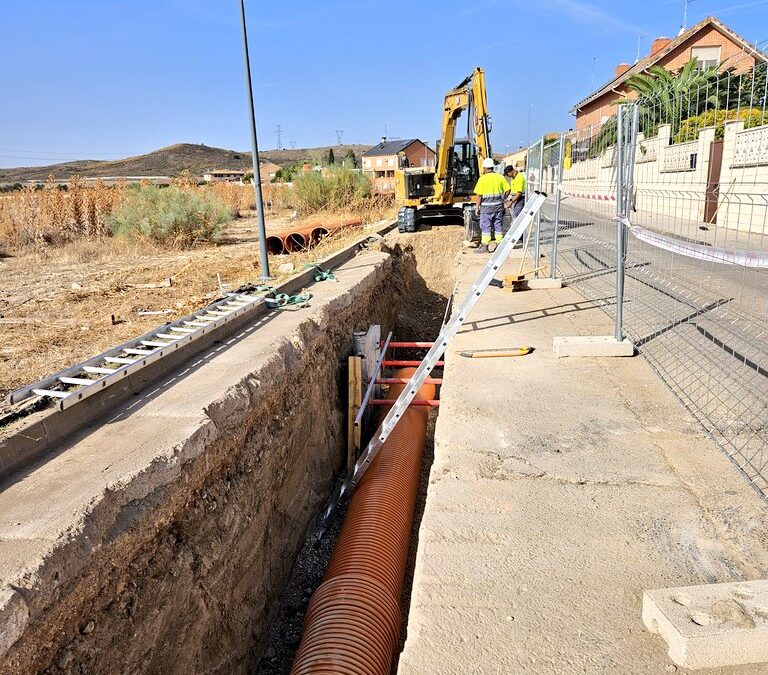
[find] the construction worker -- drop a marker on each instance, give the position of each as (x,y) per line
(516,199)
(490,193)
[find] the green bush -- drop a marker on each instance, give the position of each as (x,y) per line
(170,216)
(337,189)
(690,128)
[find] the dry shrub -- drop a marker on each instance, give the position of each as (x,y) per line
(237,198)
(170,216)
(276,196)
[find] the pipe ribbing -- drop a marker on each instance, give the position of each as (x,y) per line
(353,619)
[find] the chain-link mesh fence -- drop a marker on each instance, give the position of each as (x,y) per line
(695,236)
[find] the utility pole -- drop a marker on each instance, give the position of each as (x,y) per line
(255,153)
(279,137)
(339,133)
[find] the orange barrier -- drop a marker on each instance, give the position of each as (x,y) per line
(306,236)
(353,619)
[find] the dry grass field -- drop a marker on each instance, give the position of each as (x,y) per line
(69,290)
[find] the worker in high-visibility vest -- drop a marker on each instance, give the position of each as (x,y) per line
(516,199)
(490,193)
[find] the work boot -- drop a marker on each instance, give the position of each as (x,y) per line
(483,248)
(492,247)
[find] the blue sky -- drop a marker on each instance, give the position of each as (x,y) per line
(97,79)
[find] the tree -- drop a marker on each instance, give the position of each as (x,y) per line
(667,97)
(350,161)
(331,158)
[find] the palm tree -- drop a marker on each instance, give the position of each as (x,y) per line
(667,97)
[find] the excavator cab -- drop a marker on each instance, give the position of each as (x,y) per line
(463,168)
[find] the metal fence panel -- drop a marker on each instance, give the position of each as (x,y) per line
(696,257)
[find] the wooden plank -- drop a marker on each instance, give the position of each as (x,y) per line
(354,399)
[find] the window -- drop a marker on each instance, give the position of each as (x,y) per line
(706,57)
(390,174)
(378,161)
(380,174)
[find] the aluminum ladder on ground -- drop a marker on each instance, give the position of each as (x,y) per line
(449,330)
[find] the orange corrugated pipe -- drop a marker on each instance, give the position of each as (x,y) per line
(306,236)
(353,619)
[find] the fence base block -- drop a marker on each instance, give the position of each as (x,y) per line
(712,626)
(592,345)
(544,284)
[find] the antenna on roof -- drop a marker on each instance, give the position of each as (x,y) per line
(684,27)
(639,40)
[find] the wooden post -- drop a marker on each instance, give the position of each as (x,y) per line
(354,399)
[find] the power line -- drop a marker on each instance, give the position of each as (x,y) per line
(339,134)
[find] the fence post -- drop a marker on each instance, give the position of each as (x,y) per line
(538,213)
(619,327)
(558,186)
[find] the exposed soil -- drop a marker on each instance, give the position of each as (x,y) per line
(82,299)
(425,269)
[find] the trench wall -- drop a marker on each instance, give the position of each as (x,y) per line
(173,565)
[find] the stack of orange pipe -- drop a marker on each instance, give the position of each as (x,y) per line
(306,236)
(353,619)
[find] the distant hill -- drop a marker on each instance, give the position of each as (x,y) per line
(171,161)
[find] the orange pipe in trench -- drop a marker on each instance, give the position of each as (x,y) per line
(353,619)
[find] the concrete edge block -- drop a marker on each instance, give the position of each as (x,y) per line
(544,284)
(713,625)
(592,346)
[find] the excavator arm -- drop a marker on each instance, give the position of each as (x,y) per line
(467,95)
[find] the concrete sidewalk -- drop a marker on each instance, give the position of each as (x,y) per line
(560,490)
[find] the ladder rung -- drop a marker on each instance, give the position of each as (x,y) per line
(167,336)
(152,343)
(205,317)
(53,393)
(403,380)
(119,359)
(138,352)
(76,380)
(179,329)
(96,370)
(197,324)
(410,344)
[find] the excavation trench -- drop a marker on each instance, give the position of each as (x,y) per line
(425,270)
(197,551)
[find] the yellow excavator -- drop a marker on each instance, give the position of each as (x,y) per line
(441,194)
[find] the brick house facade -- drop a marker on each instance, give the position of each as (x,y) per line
(709,41)
(380,161)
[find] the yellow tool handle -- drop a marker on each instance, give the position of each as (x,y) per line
(497,353)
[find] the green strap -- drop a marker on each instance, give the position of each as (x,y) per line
(320,274)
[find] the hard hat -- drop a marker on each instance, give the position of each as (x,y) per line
(488,163)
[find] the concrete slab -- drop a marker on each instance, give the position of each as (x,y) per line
(561,490)
(592,345)
(711,626)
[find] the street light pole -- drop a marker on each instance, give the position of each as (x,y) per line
(255,153)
